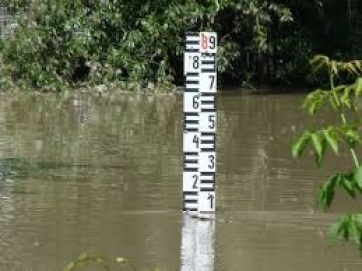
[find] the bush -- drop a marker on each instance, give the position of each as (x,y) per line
(59,44)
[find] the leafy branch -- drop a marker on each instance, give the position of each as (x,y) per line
(322,139)
(341,99)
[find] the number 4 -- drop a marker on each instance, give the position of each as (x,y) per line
(196,141)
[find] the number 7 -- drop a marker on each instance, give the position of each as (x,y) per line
(212,83)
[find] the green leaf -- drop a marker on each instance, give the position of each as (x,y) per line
(334,67)
(354,231)
(319,61)
(347,103)
(352,137)
(334,231)
(358,177)
(323,197)
(345,227)
(347,184)
(332,102)
(319,144)
(312,107)
(358,218)
(315,100)
(358,86)
(351,68)
(353,134)
(331,140)
(345,99)
(327,192)
(299,146)
(339,88)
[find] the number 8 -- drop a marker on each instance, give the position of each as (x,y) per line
(195,62)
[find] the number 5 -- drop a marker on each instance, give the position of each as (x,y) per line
(212,121)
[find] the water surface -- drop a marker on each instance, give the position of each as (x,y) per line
(103,175)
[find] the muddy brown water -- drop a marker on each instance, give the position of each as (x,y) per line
(103,176)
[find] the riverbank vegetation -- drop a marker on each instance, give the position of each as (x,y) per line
(343,100)
(54,45)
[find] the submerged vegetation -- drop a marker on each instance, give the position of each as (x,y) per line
(106,263)
(343,100)
(53,45)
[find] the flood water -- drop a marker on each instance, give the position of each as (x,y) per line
(104,176)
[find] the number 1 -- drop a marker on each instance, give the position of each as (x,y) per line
(211,198)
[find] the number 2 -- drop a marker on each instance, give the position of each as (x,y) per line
(195,181)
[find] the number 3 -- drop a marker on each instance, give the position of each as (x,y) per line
(212,161)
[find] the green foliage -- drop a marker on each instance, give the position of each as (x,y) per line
(334,67)
(350,182)
(350,228)
(58,44)
(322,139)
(341,99)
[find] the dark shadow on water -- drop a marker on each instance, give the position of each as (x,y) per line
(19,168)
(265,90)
(13,168)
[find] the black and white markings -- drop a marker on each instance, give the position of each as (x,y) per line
(191,162)
(200,122)
(208,63)
(190,201)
